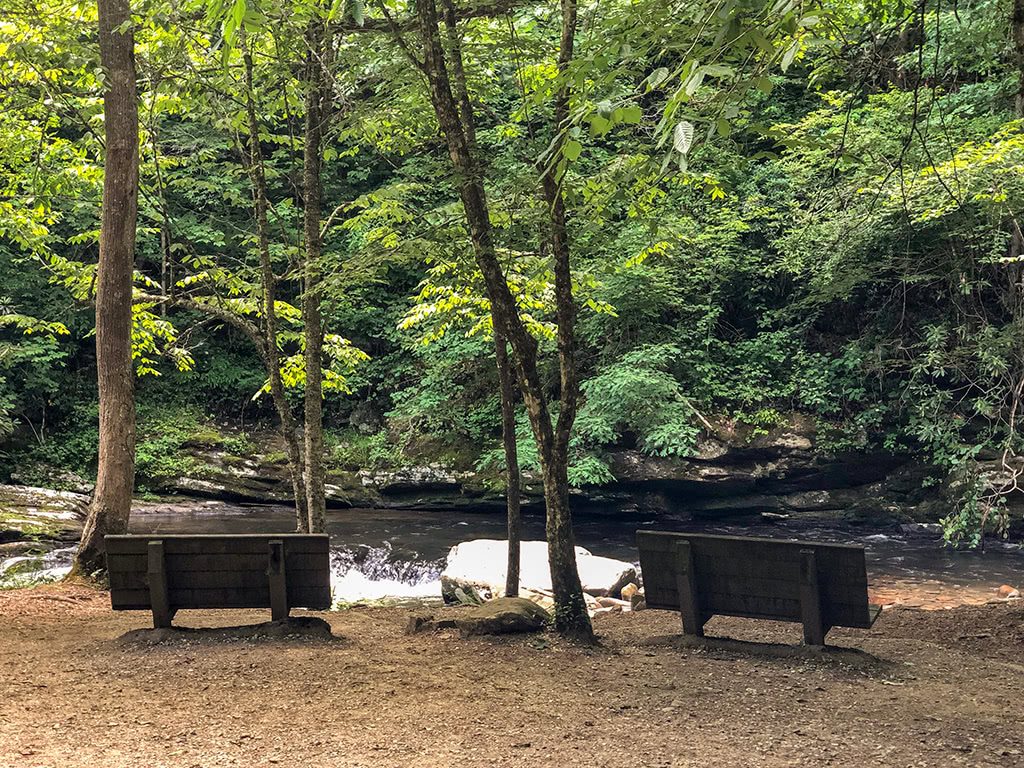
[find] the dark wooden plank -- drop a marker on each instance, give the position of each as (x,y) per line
(215,536)
(652,537)
(751,564)
(782,609)
(249,579)
(158,593)
(277,580)
(253,561)
(217,543)
(810,600)
(686,588)
(769,587)
(305,597)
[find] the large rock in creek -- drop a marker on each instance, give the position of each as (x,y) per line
(503,616)
(40,514)
(476,571)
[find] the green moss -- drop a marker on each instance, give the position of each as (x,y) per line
(31,526)
(275,457)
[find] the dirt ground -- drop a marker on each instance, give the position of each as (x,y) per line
(939,688)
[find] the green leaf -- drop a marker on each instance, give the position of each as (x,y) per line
(599,126)
(656,78)
(632,115)
(357,10)
(572,149)
(694,81)
(789,55)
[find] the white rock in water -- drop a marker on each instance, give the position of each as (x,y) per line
(479,566)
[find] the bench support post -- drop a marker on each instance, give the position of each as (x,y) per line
(810,599)
(278,581)
(686,584)
(156,572)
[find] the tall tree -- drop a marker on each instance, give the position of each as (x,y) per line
(317,51)
(1017,29)
(506,375)
(455,116)
(555,452)
(269,346)
(111,502)
(513,492)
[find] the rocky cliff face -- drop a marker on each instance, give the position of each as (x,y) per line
(780,473)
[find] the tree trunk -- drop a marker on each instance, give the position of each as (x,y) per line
(112,498)
(271,355)
(313,321)
(1017,27)
(455,117)
(512,481)
(571,613)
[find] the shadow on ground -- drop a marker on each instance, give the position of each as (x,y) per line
(847,657)
(301,629)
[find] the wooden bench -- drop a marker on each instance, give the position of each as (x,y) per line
(701,575)
(164,574)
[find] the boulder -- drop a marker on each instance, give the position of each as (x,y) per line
(478,568)
(41,514)
(502,616)
(366,418)
(638,600)
(629,590)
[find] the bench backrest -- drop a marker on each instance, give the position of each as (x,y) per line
(220,571)
(756,578)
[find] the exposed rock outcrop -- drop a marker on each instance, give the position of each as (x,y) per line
(783,472)
(28,513)
(505,615)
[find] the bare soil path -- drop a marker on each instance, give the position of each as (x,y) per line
(947,689)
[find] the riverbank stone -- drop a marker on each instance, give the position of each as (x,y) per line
(476,569)
(502,616)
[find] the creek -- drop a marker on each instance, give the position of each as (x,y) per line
(400,553)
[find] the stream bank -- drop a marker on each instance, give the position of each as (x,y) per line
(784,471)
(392,527)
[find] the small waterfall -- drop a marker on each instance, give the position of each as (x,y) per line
(371,573)
(25,570)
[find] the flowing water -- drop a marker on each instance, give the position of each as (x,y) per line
(400,553)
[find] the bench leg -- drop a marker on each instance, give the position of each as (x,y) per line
(686,584)
(810,599)
(278,581)
(157,577)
